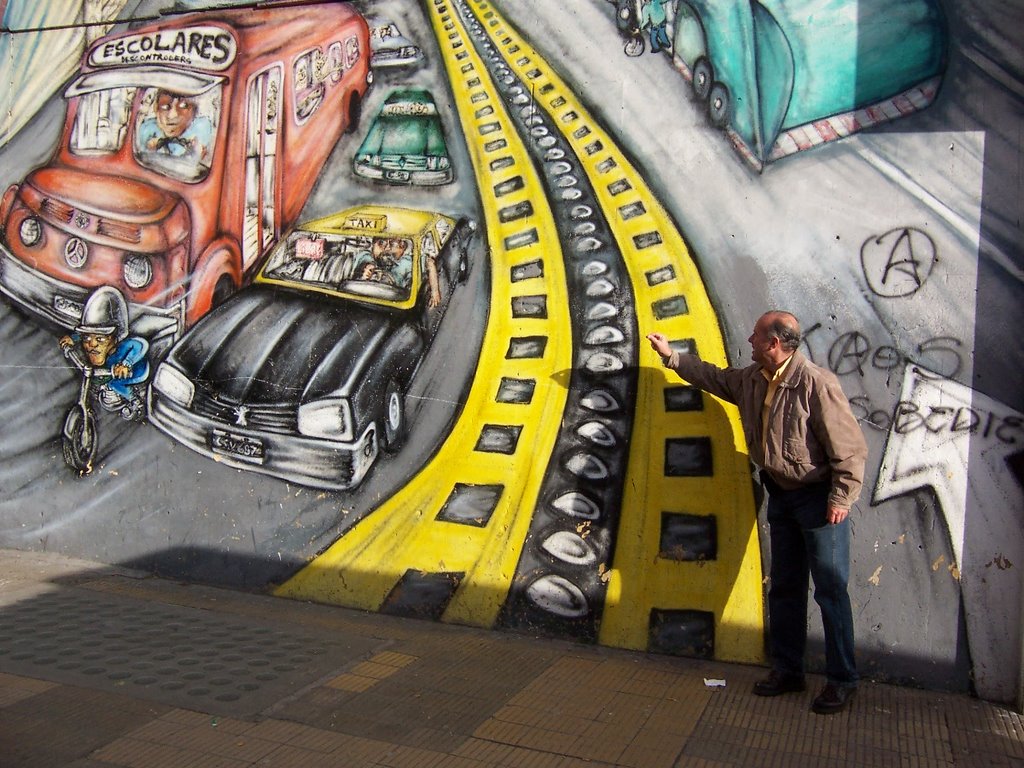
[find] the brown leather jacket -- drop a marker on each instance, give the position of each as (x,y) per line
(812,434)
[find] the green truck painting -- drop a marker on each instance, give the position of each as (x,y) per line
(781,76)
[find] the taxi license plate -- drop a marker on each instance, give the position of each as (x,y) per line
(242,447)
(396,175)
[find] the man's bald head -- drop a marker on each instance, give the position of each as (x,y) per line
(783,326)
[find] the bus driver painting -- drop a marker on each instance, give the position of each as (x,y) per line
(175,128)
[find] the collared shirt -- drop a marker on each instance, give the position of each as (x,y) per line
(769,396)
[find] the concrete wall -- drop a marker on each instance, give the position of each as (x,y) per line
(613,506)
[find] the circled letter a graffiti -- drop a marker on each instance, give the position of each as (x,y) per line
(848,353)
(899,262)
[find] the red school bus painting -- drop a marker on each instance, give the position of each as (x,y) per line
(188,146)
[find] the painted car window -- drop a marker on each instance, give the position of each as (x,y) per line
(101,122)
(351,52)
(443,228)
(428,247)
(335,65)
(309,91)
(384,31)
(373,267)
(176,134)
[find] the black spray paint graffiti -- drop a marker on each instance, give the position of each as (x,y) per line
(854,352)
(908,417)
(899,262)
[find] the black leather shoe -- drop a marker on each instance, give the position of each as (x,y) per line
(833,698)
(778,683)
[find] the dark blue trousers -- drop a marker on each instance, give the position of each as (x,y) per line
(804,544)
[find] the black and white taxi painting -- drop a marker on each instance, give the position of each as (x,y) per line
(302,375)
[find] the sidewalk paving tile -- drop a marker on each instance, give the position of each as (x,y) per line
(405,693)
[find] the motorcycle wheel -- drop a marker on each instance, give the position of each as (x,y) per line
(634,46)
(79,439)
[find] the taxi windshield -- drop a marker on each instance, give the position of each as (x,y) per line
(377,267)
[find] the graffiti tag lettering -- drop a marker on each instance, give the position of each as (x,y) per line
(909,416)
(852,352)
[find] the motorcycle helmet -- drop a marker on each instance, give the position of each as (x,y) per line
(105,312)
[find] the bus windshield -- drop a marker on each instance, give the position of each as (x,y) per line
(102,121)
(175,132)
(174,123)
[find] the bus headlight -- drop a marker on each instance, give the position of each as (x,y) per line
(30,231)
(174,385)
(138,271)
(330,418)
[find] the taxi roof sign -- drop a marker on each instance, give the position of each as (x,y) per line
(366,221)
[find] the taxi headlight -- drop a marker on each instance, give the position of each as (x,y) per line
(174,385)
(138,271)
(330,418)
(31,231)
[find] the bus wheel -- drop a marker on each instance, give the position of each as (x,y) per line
(222,290)
(703,77)
(718,105)
(355,111)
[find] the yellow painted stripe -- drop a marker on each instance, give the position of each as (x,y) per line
(730,585)
(362,567)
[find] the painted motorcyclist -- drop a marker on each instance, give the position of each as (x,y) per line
(104,339)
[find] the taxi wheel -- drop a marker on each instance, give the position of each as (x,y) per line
(393,417)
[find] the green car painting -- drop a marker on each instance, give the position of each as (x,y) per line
(781,76)
(405,144)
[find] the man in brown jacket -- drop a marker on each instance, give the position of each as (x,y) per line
(801,433)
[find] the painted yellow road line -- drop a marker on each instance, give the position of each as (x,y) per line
(448,542)
(688,465)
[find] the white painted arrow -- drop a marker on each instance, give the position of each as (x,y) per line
(957,441)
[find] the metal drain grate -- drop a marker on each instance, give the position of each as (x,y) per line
(186,657)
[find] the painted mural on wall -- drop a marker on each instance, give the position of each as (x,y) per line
(42,45)
(348,304)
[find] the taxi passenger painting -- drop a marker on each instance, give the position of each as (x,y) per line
(188,147)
